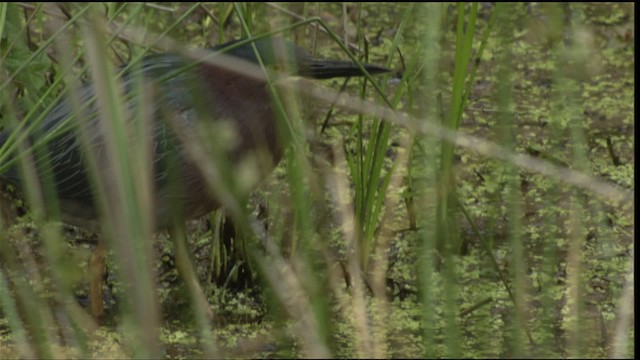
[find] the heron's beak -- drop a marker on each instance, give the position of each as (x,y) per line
(326,69)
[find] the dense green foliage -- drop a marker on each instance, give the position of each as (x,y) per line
(377,236)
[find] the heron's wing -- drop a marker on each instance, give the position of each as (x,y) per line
(63,156)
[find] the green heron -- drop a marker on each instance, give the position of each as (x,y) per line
(204,92)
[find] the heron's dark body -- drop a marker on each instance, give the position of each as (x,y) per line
(241,100)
